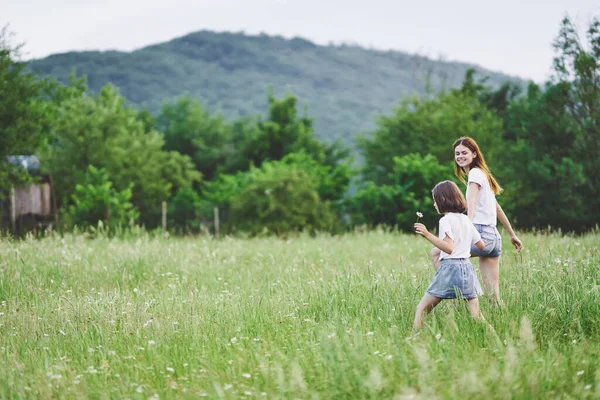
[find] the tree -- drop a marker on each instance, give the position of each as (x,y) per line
(97,200)
(407,191)
(190,130)
(577,74)
(101,131)
(23,112)
(430,127)
(279,198)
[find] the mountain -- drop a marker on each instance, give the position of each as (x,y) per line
(343,86)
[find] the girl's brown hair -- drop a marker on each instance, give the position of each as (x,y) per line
(449,198)
(478,162)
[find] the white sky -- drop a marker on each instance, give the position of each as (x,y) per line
(510,36)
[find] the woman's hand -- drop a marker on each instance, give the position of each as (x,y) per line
(516,242)
(421,229)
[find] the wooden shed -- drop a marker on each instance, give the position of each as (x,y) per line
(30,206)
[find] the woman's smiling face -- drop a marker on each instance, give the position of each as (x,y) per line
(463,156)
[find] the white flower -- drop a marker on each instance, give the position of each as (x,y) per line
(151,342)
(233,340)
(579,373)
(369,334)
(438,336)
(170,369)
(419,214)
(246,375)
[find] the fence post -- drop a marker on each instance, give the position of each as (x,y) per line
(217,222)
(164,215)
(13,211)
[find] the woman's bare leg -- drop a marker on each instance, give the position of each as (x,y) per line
(490,274)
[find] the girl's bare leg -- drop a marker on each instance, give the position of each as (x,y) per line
(425,305)
(473,306)
(490,274)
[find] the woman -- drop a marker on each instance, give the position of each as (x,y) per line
(483,210)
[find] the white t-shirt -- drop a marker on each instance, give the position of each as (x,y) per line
(485,206)
(459,228)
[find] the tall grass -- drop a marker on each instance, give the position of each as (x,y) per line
(327,317)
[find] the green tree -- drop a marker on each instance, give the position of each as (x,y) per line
(279,198)
(23,111)
(97,200)
(101,131)
(430,127)
(407,191)
(190,130)
(185,210)
(577,74)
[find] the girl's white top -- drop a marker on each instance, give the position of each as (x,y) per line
(485,206)
(459,228)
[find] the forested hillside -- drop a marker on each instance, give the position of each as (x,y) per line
(343,86)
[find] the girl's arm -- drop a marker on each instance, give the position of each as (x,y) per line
(472,199)
(514,239)
(446,245)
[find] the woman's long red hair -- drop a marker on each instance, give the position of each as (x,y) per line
(478,162)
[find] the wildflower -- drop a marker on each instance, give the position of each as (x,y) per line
(246,375)
(438,336)
(579,373)
(233,340)
(151,342)
(331,335)
(369,334)
(419,215)
(588,387)
(170,369)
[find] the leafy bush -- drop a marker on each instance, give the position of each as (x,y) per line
(184,210)
(279,198)
(97,200)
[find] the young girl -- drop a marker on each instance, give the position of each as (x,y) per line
(483,209)
(455,277)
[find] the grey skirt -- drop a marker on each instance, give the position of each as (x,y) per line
(456,278)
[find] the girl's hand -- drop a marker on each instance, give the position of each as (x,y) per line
(421,229)
(516,242)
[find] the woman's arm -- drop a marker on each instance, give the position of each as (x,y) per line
(472,199)
(446,245)
(514,239)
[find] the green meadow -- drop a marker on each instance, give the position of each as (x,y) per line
(148,316)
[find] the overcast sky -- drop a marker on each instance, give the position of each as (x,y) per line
(510,36)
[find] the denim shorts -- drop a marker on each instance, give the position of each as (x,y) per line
(492,240)
(456,278)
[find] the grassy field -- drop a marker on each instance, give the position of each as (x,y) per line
(328,317)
